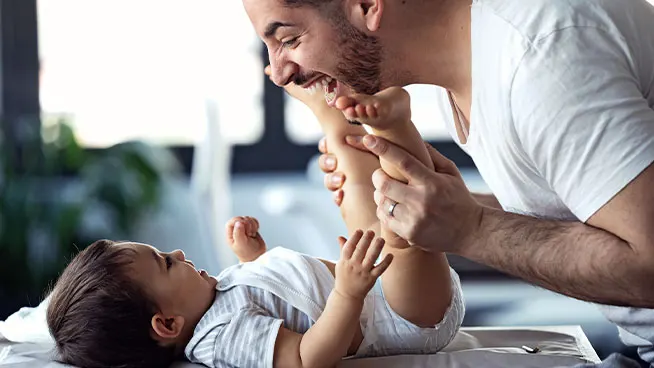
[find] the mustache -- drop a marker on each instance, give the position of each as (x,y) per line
(301,79)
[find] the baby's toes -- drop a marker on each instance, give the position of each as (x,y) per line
(344,102)
(350,113)
(361,111)
(371,111)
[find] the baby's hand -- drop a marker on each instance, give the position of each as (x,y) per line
(244,238)
(356,272)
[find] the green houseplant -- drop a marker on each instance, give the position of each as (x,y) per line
(56,198)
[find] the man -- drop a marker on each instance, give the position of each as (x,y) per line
(554,101)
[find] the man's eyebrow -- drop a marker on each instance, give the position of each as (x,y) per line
(156,259)
(272,28)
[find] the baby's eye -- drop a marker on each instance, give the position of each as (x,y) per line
(169,261)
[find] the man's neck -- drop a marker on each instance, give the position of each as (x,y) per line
(435,45)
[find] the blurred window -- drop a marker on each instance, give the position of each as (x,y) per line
(148,69)
(302,126)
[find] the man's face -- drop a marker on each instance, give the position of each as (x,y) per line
(316,49)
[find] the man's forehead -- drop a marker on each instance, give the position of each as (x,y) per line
(264,13)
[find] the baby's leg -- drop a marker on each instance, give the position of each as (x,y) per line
(388,113)
(358,208)
(417,285)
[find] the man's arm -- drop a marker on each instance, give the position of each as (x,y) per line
(610,260)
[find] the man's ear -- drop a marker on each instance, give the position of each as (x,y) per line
(365,13)
(167,327)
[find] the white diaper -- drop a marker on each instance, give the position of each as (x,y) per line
(386,333)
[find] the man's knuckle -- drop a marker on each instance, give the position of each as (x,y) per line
(385,185)
(383,148)
(406,164)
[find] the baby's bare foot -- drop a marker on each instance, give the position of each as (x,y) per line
(382,111)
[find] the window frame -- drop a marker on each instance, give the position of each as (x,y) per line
(19,76)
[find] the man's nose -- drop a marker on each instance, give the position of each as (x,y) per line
(282,69)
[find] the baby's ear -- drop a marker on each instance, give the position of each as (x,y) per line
(167,328)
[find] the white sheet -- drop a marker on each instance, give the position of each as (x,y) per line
(26,343)
(561,346)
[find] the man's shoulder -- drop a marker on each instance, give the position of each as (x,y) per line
(535,19)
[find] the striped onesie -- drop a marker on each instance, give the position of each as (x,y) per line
(254,299)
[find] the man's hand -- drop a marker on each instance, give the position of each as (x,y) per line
(434,210)
(356,272)
(244,238)
(334,179)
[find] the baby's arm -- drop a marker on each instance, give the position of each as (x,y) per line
(331,337)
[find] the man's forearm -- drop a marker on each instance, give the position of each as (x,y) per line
(487,200)
(571,258)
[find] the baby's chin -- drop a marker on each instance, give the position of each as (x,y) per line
(213,282)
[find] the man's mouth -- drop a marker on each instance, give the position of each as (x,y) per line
(328,85)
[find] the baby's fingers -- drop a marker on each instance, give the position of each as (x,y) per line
(229,227)
(252,226)
(382,266)
(351,245)
(362,247)
(239,234)
(373,253)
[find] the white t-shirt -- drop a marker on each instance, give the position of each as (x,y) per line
(562,114)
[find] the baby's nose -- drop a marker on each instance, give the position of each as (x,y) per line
(179,254)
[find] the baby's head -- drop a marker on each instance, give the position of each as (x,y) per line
(127,305)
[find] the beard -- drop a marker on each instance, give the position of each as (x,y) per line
(360,58)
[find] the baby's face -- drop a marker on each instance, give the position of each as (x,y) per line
(173,282)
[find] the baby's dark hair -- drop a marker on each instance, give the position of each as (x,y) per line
(99,317)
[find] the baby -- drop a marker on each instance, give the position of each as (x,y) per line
(129,305)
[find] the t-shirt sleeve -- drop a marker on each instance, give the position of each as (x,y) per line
(581,116)
(248,340)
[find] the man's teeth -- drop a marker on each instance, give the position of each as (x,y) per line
(330,96)
(319,85)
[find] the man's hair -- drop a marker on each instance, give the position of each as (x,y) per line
(327,7)
(100,317)
(312,3)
